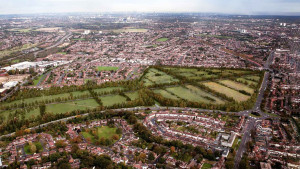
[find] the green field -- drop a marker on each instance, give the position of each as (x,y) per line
(107,89)
(107,68)
(249,82)
(71,106)
(103,131)
(166,94)
(159,77)
(206,166)
(162,39)
(186,94)
(205,94)
(252,78)
(112,99)
(133,95)
(237,86)
(80,93)
(62,53)
(36,81)
(237,96)
(16,49)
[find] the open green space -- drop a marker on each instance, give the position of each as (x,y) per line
(166,94)
(107,89)
(16,49)
(71,106)
(237,96)
(186,94)
(132,95)
(206,166)
(210,97)
(236,143)
(36,81)
(101,132)
(159,77)
(107,68)
(112,100)
(254,78)
(162,39)
(237,86)
(248,82)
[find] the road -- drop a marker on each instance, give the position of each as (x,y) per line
(68,35)
(253,121)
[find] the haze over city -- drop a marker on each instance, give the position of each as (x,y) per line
(247,7)
(156,84)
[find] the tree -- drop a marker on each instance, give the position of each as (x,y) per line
(42,110)
(151,156)
(32,148)
(172,149)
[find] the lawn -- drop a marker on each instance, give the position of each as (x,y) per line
(187,94)
(237,86)
(133,95)
(38,145)
(107,68)
(206,166)
(162,39)
(36,81)
(236,143)
(112,100)
(166,94)
(82,39)
(62,53)
(103,131)
(237,96)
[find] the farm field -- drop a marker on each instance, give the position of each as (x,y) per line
(112,99)
(71,106)
(80,93)
(205,94)
(187,94)
(166,94)
(252,78)
(237,96)
(237,86)
(159,77)
(132,95)
(247,81)
(107,89)
(107,68)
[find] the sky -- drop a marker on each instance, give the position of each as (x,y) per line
(247,7)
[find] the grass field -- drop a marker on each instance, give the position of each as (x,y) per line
(162,39)
(245,80)
(36,81)
(107,89)
(79,93)
(236,143)
(62,53)
(237,86)
(16,49)
(147,82)
(76,39)
(205,94)
(71,106)
(103,131)
(166,94)
(227,91)
(206,166)
(159,77)
(107,68)
(187,94)
(133,95)
(252,78)
(113,99)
